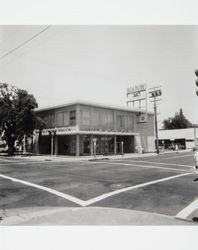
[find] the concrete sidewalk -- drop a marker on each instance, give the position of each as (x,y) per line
(86,216)
(80,158)
(90,158)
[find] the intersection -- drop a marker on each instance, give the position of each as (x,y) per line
(158,185)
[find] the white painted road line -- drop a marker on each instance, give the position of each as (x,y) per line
(96,199)
(104,196)
(145,166)
(47,162)
(174,157)
(5,160)
(183,214)
(160,163)
(50,190)
(20,162)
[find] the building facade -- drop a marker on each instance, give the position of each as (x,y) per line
(81,128)
(185,138)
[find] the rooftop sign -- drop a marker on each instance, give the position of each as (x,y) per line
(136,90)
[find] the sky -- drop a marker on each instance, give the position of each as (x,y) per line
(98,64)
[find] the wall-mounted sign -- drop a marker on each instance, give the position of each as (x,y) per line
(59,131)
(142,118)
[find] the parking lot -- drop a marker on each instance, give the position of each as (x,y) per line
(159,185)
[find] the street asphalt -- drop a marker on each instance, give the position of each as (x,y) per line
(142,190)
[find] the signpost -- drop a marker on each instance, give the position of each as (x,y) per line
(94,147)
(122,148)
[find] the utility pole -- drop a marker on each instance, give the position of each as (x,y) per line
(155,93)
(156,126)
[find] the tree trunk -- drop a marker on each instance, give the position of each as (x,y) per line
(11,148)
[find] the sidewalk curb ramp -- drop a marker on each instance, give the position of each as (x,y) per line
(86,216)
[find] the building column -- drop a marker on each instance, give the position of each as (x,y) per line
(77,145)
(52,143)
(91,145)
(56,145)
(115,145)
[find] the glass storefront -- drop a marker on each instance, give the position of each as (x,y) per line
(105,145)
(85,144)
(128,144)
(66,144)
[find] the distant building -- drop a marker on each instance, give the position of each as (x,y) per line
(179,138)
(74,128)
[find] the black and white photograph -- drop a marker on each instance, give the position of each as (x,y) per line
(98,126)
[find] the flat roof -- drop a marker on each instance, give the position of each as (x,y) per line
(94,105)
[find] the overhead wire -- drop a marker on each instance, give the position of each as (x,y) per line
(24,43)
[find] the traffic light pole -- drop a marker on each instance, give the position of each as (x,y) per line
(155,93)
(156,126)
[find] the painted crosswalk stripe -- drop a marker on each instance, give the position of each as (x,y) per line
(104,196)
(50,190)
(93,200)
(183,214)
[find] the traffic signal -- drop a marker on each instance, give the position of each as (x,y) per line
(156,93)
(196,81)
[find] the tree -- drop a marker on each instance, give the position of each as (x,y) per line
(177,122)
(17,116)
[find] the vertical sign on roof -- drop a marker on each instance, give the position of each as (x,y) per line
(137,96)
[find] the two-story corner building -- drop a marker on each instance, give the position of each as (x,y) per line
(73,129)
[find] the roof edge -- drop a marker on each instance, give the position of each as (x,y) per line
(81,102)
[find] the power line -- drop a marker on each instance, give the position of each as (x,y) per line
(24,43)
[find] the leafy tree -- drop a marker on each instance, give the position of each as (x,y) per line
(177,122)
(17,117)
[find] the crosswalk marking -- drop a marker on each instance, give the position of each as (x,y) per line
(93,200)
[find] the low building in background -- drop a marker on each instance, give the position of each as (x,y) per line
(178,138)
(83,128)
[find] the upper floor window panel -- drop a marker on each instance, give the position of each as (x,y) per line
(60,119)
(72,118)
(86,117)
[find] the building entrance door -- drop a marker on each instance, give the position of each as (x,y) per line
(118,147)
(87,144)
